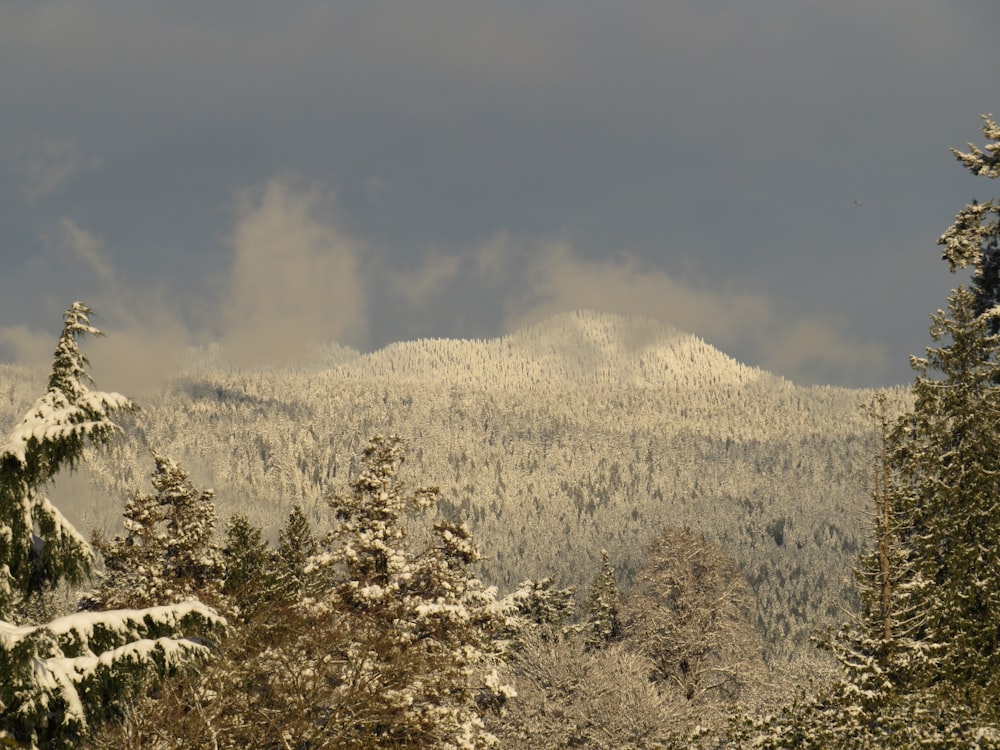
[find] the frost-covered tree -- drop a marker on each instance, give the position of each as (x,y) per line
(603,620)
(572,696)
(168,553)
(420,624)
(38,546)
(59,677)
(690,612)
(539,607)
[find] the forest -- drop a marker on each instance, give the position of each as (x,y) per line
(595,532)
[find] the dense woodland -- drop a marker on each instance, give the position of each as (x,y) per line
(596,532)
(586,432)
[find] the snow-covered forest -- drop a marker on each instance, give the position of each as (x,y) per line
(585,432)
(595,532)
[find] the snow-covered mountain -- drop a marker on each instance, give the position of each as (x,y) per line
(582,432)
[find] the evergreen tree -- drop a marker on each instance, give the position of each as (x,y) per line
(603,623)
(922,662)
(540,604)
(249,580)
(296,545)
(38,546)
(947,453)
(420,626)
(135,566)
(60,677)
(168,553)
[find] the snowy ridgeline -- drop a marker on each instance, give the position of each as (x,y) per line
(581,433)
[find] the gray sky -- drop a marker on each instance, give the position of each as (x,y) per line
(268,174)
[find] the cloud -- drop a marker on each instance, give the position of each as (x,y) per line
(86,247)
(424,283)
(47,165)
(751,327)
(817,351)
(27,346)
(296,277)
(146,339)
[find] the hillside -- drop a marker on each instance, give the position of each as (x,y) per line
(583,432)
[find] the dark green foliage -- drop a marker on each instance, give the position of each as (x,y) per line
(54,685)
(296,544)
(38,547)
(73,672)
(249,580)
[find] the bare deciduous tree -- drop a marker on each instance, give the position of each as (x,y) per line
(690,613)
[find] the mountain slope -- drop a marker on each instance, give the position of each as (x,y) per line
(580,433)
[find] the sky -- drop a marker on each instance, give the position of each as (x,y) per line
(771,176)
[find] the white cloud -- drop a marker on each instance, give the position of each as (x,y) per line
(749,326)
(295,279)
(27,346)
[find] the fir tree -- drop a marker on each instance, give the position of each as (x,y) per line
(249,579)
(947,453)
(296,545)
(922,661)
(60,677)
(603,623)
(38,547)
(168,553)
(420,625)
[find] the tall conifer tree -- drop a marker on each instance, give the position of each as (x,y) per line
(948,451)
(59,678)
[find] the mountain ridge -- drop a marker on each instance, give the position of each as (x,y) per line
(585,431)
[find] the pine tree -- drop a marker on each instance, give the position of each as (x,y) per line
(60,677)
(947,453)
(168,553)
(296,545)
(603,623)
(50,437)
(249,580)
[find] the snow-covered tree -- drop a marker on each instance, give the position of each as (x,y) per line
(385,646)
(690,612)
(539,607)
(882,696)
(572,696)
(948,453)
(420,625)
(38,546)
(250,578)
(603,620)
(58,677)
(168,553)
(922,661)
